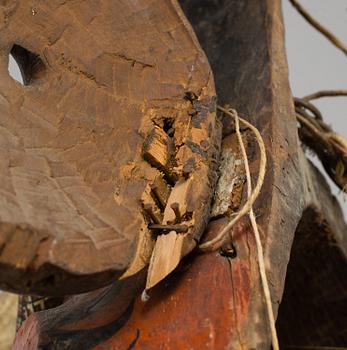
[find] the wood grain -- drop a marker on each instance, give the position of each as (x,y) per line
(100,76)
(214,300)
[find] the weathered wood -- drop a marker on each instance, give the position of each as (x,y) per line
(74,167)
(161,191)
(158,151)
(248,60)
(206,302)
(214,300)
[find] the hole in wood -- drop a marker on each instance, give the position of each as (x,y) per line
(312,314)
(228,251)
(168,127)
(30,65)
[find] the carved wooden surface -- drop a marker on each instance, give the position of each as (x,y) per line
(213,300)
(77,159)
(205,304)
(247,56)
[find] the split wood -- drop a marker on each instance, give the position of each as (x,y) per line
(248,209)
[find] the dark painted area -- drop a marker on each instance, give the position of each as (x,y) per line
(85,320)
(218,24)
(87,339)
(313,311)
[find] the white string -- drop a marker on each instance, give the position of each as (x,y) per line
(248,209)
(251,199)
(261,261)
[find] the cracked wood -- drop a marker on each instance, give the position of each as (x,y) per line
(99,75)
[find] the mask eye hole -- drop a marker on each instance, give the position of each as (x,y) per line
(25,66)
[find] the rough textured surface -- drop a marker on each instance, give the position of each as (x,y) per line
(100,76)
(116,318)
(207,301)
(244,43)
(228,193)
(214,301)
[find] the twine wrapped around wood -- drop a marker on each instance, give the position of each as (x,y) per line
(253,196)
(329,146)
(248,209)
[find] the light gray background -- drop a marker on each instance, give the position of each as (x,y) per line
(314,63)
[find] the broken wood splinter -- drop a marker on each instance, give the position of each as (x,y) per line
(168,228)
(149,210)
(176,208)
(159,196)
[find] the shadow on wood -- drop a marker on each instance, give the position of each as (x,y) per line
(213,301)
(118,96)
